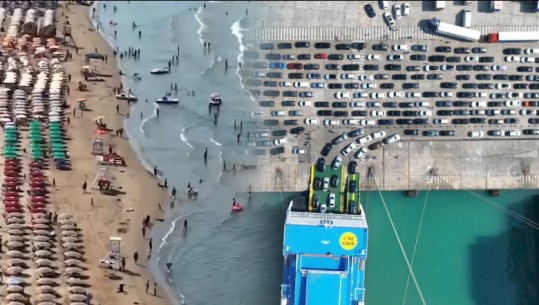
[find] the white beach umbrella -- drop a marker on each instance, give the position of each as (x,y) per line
(16,262)
(77,290)
(42,262)
(15,232)
(44,270)
(41,226)
(14,244)
(16,214)
(70,239)
(43,232)
(15,226)
(16,238)
(42,245)
(14,270)
(14,288)
(41,220)
(73,281)
(73,270)
(41,238)
(47,303)
(77,303)
(12,220)
(39,215)
(42,253)
(46,289)
(67,227)
(70,233)
(45,297)
(45,281)
(72,246)
(15,254)
(15,303)
(78,297)
(15,297)
(66,222)
(72,263)
(73,254)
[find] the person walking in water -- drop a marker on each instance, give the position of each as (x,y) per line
(206,155)
(185,225)
(157,112)
(169,267)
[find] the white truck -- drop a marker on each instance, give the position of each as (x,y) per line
(496,5)
(513,37)
(439,5)
(454,30)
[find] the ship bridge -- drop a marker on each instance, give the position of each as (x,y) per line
(324,259)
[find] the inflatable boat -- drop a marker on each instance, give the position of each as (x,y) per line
(126,97)
(215,99)
(237,208)
(160,71)
(166,100)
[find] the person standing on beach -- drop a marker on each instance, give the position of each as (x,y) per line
(150,244)
(117,109)
(123,263)
(135,257)
(155,171)
(147,285)
(143,232)
(154,288)
(84,186)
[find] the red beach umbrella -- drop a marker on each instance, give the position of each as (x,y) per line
(11,198)
(11,193)
(38,205)
(38,210)
(12,205)
(13,209)
(39,199)
(37,183)
(10,183)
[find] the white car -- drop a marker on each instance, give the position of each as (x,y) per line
(278,113)
(367,123)
(378,113)
(389,19)
(395,57)
(440,121)
(373,57)
(330,122)
(357,104)
(476,104)
(348,76)
(312,121)
(512,58)
(391,139)
(512,133)
(476,134)
(348,149)
(378,135)
(331,200)
(531,51)
(406,9)
(280,141)
(377,95)
(285,84)
(305,103)
(512,103)
(298,151)
(256,114)
(366,77)
(447,67)
(527,112)
(425,113)
(527,59)
(384,4)
(503,86)
(350,122)
(336,162)
(364,139)
(422,104)
(325,184)
(481,94)
(400,47)
(361,95)
(301,85)
(360,153)
(471,58)
(397,11)
(343,95)
(354,56)
(413,94)
(446,94)
(368,86)
(498,68)
(395,94)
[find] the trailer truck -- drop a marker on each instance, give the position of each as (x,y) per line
(513,37)
(454,30)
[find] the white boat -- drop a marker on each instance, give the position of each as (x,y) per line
(125,96)
(215,99)
(166,100)
(164,70)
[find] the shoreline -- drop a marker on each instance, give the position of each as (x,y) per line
(111,215)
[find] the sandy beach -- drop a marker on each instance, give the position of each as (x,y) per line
(109,216)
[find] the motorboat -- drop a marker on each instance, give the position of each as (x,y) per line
(166,100)
(126,97)
(215,99)
(164,70)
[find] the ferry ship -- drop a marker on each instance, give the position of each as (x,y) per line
(325,243)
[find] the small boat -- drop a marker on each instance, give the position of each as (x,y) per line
(166,100)
(215,99)
(237,207)
(125,96)
(160,71)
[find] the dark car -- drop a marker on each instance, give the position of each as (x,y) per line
(380,47)
(386,122)
(321,104)
(470,86)
(418,76)
(430,133)
(321,165)
(295,75)
(340,113)
(330,76)
(516,77)
(291,122)
(266,103)
(411,132)
(334,180)
(460,121)
(339,139)
(486,59)
(419,48)
(390,104)
(356,132)
(406,105)
(342,46)
(351,86)
(326,149)
(324,113)
(393,113)
(511,121)
(479,50)
(333,67)
(304,57)
(410,85)
(370,11)
(387,85)
(418,57)
(272,56)
(486,86)
(510,51)
(352,167)
(445,112)
(410,113)
(399,77)
(436,58)
(435,76)
(288,103)
(430,94)
(421,121)
(413,68)
(290,93)
(405,121)
(297,130)
(359,113)
(371,67)
(294,66)
(322,45)
(358,45)
(453,59)
(273,93)
(531,132)
(481,68)
(463,77)
(520,86)
(339,104)
(465,67)
(463,50)
(448,85)
(352,186)
(524,69)
(375,145)
(533,121)
(392,67)
(478,120)
(270,83)
(284,45)
(266,46)
(442,49)
(501,76)
(317,183)
(279,133)
(465,94)
(483,76)
(311,66)
(301,44)
(335,86)
(335,57)
(275,75)
(462,112)
(444,104)
(350,67)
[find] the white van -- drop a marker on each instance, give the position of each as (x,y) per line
(301,84)
(467,19)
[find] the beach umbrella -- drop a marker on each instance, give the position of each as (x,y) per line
(14,244)
(46,289)
(15,254)
(70,233)
(44,270)
(77,290)
(42,262)
(77,298)
(16,262)
(72,263)
(73,281)
(65,216)
(73,270)
(42,245)
(40,215)
(66,222)
(16,238)
(41,220)
(15,231)
(45,282)
(15,226)
(77,303)
(72,246)
(40,225)
(43,232)
(42,253)
(101,132)
(14,288)
(41,238)
(15,297)
(15,303)
(73,254)
(14,270)
(68,227)
(70,239)
(45,297)
(15,220)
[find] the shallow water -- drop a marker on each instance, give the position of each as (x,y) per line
(468,251)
